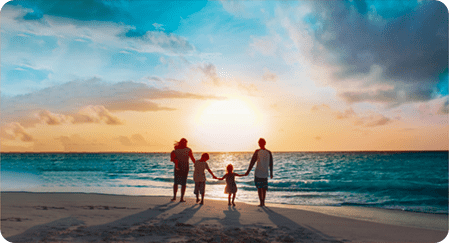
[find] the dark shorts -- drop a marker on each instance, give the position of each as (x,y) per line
(261,182)
(181,177)
(200,187)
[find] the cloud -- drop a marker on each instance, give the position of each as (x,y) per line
(234,7)
(88,114)
(349,113)
(100,33)
(444,109)
(269,76)
(69,97)
(135,140)
(320,107)
(51,118)
(96,114)
(360,47)
(378,120)
(75,143)
(371,119)
(136,105)
(265,45)
(125,141)
(391,97)
(248,88)
(209,71)
(157,41)
(155,79)
(14,130)
(158,26)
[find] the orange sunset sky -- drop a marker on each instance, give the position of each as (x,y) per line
(305,75)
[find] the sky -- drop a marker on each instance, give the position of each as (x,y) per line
(137,76)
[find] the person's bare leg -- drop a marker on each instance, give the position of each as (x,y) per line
(259,191)
(229,199)
(233,198)
(264,194)
(175,190)
(202,199)
(183,190)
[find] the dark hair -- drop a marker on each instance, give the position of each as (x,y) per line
(181,144)
(204,157)
(262,141)
(229,168)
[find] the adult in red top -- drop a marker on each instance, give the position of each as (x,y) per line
(181,154)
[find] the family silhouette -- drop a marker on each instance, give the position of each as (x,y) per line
(262,158)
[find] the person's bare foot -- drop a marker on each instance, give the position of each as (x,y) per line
(260,205)
(229,204)
(201,202)
(233,204)
(182,200)
(197,200)
(173,199)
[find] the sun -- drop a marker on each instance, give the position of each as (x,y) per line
(227,125)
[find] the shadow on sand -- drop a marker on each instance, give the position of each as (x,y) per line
(158,225)
(293,231)
(72,229)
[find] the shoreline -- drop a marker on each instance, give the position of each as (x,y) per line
(29,215)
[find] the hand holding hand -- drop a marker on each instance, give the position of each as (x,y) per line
(246,174)
(214,177)
(271,176)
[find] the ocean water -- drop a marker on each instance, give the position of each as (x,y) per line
(411,181)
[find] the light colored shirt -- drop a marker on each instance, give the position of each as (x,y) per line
(200,167)
(263,160)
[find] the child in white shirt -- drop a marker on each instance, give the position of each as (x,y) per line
(200,177)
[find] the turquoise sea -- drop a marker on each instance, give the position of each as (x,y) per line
(411,181)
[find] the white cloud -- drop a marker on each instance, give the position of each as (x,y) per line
(269,76)
(14,130)
(106,34)
(93,93)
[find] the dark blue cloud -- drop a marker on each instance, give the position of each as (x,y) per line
(407,40)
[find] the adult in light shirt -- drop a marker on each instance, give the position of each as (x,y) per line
(181,154)
(263,159)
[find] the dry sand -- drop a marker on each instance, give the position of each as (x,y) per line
(79,217)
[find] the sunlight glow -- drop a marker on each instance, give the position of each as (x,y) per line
(227,125)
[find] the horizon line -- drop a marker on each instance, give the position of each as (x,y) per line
(142,152)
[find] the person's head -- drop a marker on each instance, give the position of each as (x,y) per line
(262,143)
(181,144)
(229,168)
(204,157)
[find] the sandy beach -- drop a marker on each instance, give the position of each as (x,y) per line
(79,217)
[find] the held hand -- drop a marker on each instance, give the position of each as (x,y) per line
(246,174)
(271,176)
